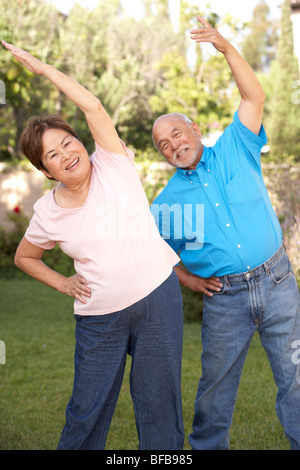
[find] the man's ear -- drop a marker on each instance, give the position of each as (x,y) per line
(196,129)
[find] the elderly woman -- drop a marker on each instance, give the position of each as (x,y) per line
(127,296)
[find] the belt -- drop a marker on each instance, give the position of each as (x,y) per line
(263,268)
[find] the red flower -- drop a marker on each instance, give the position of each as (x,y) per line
(17,209)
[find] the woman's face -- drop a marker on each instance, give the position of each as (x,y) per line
(64,158)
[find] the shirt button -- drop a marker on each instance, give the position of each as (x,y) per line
(191,182)
(239,246)
(205,184)
(190,172)
(208,171)
(217,204)
(227,225)
(248,267)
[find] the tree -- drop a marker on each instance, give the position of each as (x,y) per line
(112,55)
(32,25)
(139,69)
(258,47)
(160,7)
(203,92)
(132,77)
(285,115)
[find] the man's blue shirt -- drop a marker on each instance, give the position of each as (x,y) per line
(219,217)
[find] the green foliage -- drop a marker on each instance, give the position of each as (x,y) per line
(193,305)
(258,47)
(10,238)
(141,69)
(29,25)
(283,183)
(204,92)
(138,69)
(9,241)
(285,115)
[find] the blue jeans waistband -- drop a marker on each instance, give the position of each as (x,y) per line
(261,269)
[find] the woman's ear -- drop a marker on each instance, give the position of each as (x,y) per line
(46,173)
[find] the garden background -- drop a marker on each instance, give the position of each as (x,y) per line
(140,69)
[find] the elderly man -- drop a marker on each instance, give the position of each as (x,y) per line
(236,257)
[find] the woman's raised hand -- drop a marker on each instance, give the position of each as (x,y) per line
(99,122)
(25,58)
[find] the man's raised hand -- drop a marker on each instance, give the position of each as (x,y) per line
(206,33)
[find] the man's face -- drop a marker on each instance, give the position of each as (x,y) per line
(178,141)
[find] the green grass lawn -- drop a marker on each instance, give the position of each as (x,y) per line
(37,326)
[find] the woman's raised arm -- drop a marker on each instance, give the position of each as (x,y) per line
(99,122)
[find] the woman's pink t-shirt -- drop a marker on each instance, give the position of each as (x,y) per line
(113,238)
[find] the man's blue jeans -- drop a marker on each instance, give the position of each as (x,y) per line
(151,332)
(264,299)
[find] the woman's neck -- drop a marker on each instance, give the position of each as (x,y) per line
(75,195)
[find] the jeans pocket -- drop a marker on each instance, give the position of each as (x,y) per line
(221,291)
(282,269)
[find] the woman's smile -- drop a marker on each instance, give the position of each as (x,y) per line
(74,164)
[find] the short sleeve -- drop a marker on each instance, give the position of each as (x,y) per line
(238,145)
(253,142)
(105,157)
(37,235)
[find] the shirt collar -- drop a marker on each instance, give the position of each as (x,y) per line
(203,158)
(202,162)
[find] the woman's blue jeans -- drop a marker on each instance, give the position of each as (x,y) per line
(265,299)
(150,331)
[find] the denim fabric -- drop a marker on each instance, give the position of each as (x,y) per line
(265,299)
(151,332)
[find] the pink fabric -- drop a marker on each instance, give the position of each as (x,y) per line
(113,238)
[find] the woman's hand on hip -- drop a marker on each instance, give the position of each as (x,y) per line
(76,286)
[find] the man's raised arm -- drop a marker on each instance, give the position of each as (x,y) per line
(252,94)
